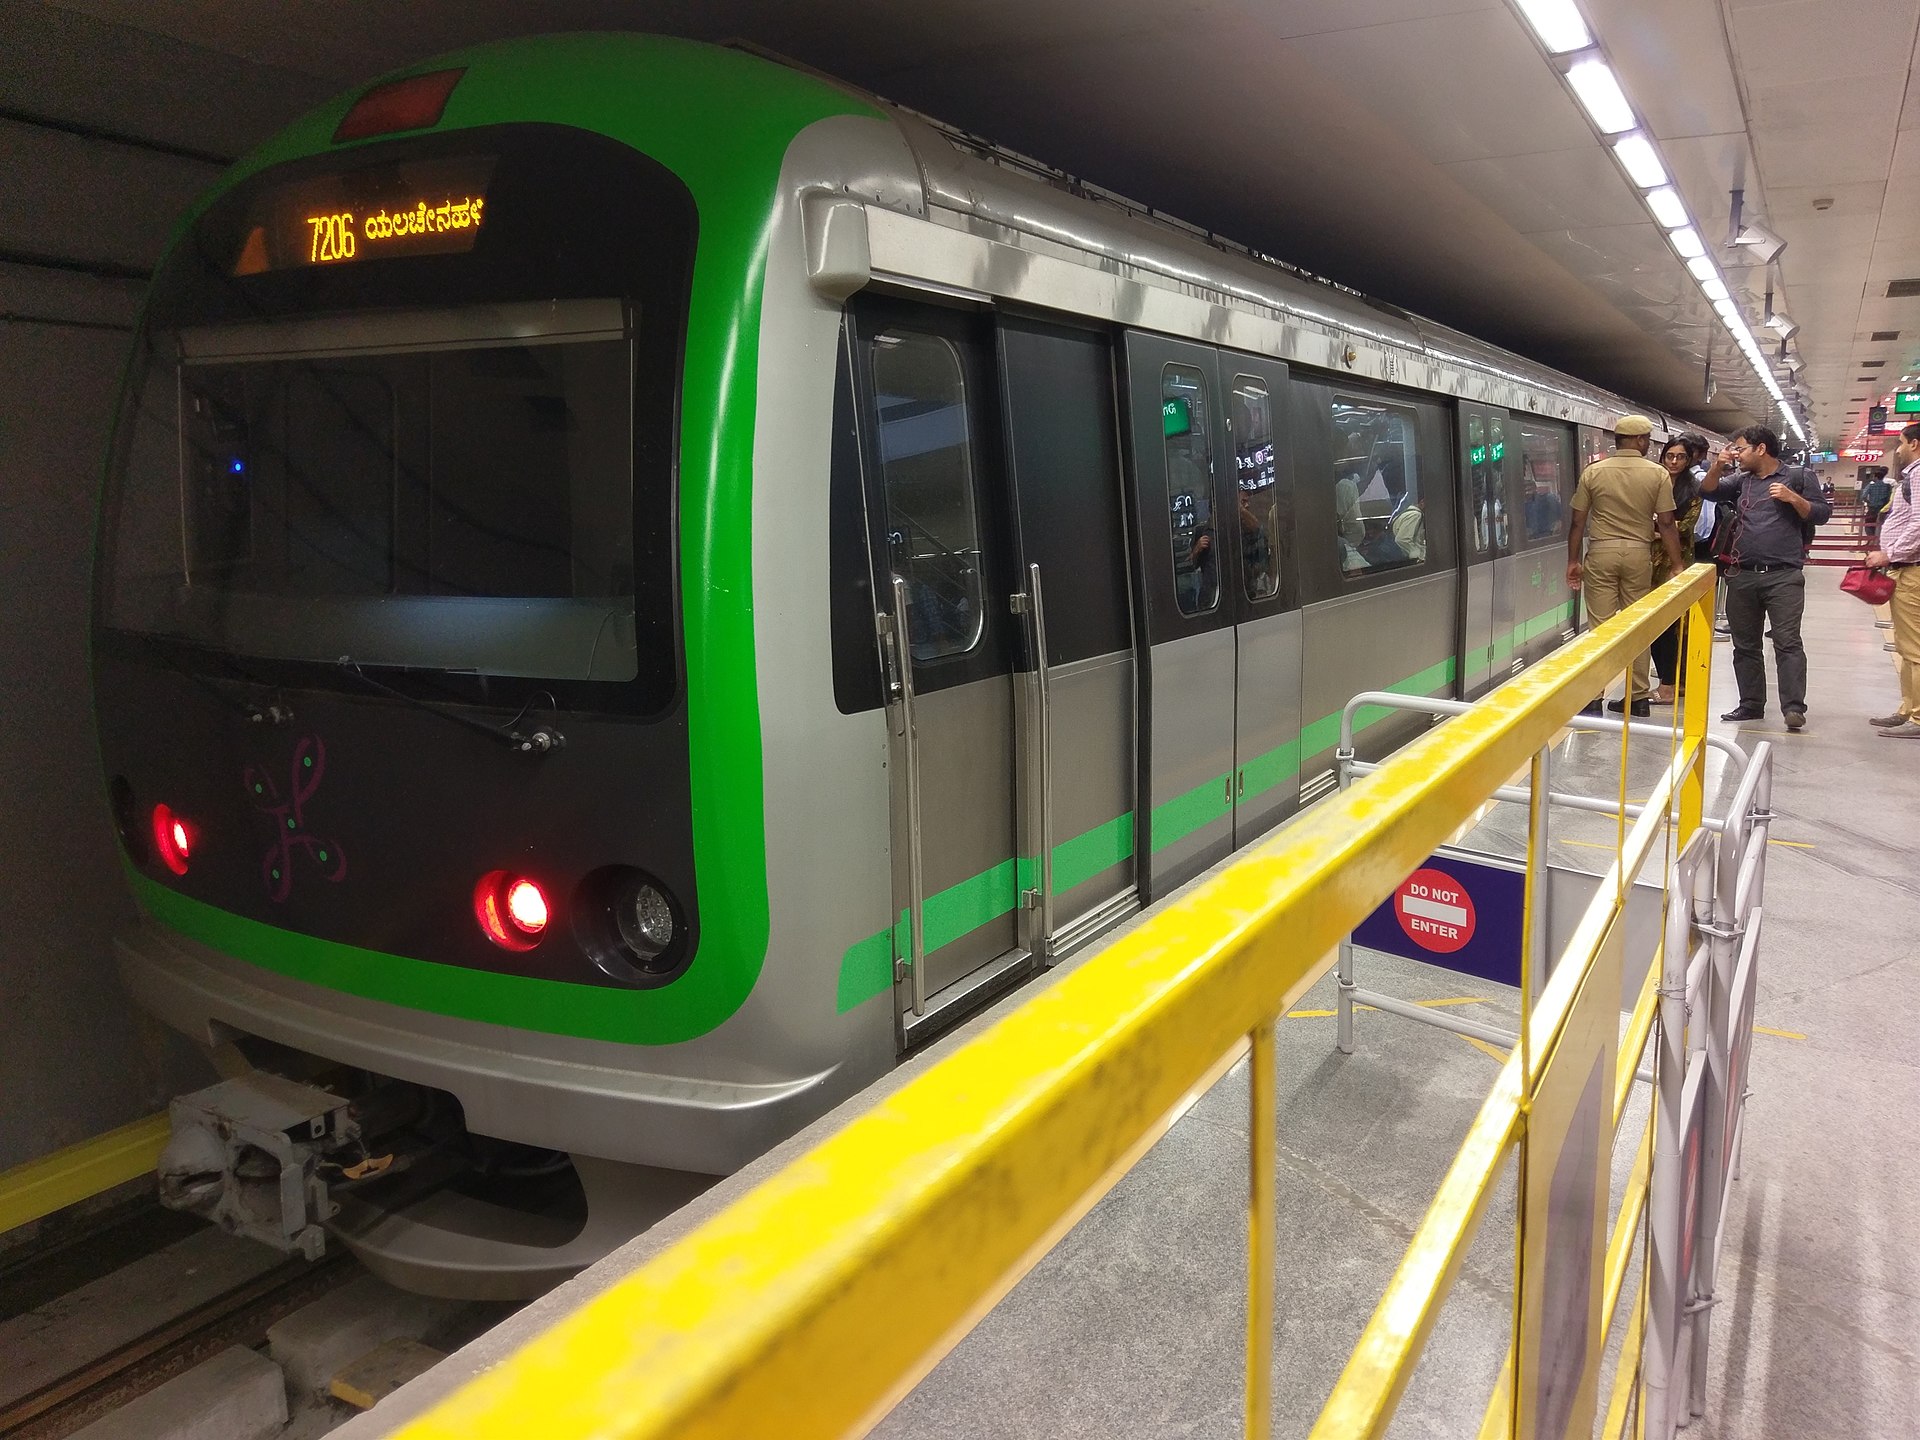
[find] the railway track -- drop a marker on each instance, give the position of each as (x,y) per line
(105,1382)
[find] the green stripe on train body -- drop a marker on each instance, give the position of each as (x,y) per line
(866,969)
(722,122)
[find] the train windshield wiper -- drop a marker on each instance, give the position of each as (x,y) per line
(273,712)
(539,739)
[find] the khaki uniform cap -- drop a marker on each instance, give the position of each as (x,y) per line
(1633,425)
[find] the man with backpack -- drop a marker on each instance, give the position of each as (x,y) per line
(1875,496)
(1899,552)
(1775,508)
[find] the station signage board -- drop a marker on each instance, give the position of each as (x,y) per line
(1877,420)
(1906,402)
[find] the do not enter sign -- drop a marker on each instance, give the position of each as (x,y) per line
(1463,913)
(1435,910)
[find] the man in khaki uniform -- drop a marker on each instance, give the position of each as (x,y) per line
(1613,505)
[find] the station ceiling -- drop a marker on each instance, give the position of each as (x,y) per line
(1425,151)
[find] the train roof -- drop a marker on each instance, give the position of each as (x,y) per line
(975,185)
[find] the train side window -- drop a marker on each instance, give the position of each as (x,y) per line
(1250,421)
(1380,518)
(1543,481)
(927,471)
(1185,423)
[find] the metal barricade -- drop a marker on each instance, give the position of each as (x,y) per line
(1699,983)
(812,1304)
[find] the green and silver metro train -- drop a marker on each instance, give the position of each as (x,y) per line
(637,583)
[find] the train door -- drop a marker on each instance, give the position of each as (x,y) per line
(1484,542)
(1546,483)
(1266,770)
(1182,503)
(943,563)
(1502,477)
(1076,703)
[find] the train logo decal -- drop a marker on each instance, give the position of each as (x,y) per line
(291,836)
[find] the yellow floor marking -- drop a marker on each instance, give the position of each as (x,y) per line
(1494,1050)
(1783,1034)
(1796,844)
(1589,844)
(1428,1004)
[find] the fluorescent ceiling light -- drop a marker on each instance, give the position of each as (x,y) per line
(1726,309)
(1667,207)
(1641,160)
(1687,242)
(1601,96)
(1558,25)
(1715,289)
(1702,268)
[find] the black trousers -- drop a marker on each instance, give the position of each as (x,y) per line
(1666,654)
(1758,601)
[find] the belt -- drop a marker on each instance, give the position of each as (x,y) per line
(1901,564)
(1763,569)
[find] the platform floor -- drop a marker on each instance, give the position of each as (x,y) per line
(1133,1325)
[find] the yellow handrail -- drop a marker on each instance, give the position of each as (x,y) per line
(811,1305)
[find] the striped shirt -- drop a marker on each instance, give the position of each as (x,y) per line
(1900,527)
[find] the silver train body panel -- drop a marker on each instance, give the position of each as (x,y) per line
(863,205)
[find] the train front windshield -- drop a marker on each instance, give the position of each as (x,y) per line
(397,414)
(457,509)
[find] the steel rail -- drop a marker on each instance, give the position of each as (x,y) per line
(815,1302)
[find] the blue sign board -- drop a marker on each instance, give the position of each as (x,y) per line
(1462,914)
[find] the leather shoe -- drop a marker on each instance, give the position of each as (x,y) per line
(1641,708)
(1796,718)
(1906,731)
(1746,712)
(1887,722)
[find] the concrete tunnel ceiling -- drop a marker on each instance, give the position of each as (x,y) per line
(1425,151)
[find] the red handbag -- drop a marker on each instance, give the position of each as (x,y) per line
(1873,586)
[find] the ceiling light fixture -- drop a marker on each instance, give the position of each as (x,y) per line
(1667,207)
(1600,95)
(1781,322)
(1687,242)
(1714,289)
(1641,161)
(1557,23)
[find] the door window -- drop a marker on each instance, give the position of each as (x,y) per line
(1250,420)
(1185,419)
(1481,500)
(927,471)
(1496,497)
(1379,508)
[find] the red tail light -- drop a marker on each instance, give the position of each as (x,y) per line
(512,910)
(172,839)
(414,103)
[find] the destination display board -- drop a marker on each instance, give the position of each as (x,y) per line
(420,207)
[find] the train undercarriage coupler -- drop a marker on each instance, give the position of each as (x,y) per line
(246,1154)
